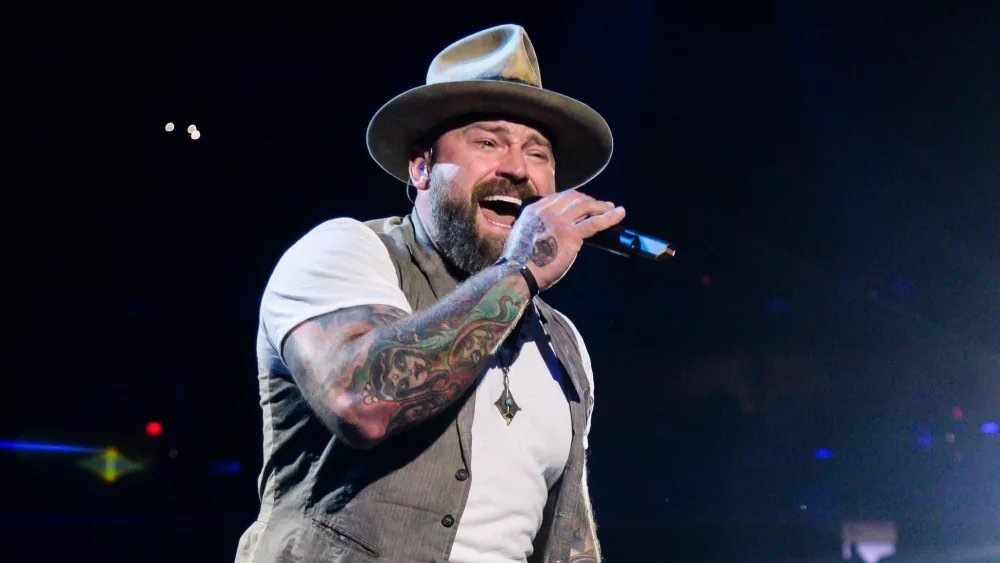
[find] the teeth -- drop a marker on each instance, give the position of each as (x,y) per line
(505,198)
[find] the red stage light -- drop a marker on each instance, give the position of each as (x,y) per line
(956,413)
(154,429)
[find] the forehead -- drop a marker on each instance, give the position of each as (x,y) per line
(499,124)
(503,127)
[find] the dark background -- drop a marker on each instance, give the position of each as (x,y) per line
(830,173)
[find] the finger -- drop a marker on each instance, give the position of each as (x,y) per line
(580,209)
(566,198)
(553,201)
(589,227)
(558,203)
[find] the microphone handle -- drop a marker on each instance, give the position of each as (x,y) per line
(626,242)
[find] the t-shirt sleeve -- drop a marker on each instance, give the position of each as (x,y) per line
(340,263)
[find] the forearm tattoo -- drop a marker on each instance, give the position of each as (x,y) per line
(395,370)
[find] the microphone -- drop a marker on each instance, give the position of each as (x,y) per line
(624,242)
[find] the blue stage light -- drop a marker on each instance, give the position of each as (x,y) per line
(231,467)
(39,447)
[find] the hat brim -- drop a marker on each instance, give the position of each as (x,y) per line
(581,138)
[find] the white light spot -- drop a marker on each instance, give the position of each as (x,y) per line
(169,127)
(803,507)
(196,135)
(950,438)
(192,128)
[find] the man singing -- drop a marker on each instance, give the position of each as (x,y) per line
(420,402)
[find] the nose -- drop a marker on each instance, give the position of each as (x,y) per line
(513,167)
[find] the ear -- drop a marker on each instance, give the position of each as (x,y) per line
(420,170)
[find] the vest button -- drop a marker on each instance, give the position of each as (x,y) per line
(448,520)
(461,475)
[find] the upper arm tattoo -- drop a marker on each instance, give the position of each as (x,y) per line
(316,352)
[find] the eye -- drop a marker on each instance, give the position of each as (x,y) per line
(540,155)
(486,143)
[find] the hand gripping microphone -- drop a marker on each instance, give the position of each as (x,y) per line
(624,242)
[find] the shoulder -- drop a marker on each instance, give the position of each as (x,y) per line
(338,241)
(336,232)
(338,264)
(340,251)
(385,225)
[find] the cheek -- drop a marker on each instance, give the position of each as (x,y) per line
(444,172)
(544,180)
(452,181)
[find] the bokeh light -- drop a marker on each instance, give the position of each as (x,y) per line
(824,453)
(110,465)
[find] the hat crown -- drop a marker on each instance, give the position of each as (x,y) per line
(502,53)
(493,72)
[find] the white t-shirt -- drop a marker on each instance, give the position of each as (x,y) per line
(342,263)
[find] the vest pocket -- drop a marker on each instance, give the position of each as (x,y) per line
(337,534)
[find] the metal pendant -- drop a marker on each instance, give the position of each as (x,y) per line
(506,403)
(507,406)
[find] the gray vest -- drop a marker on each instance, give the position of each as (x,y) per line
(403,500)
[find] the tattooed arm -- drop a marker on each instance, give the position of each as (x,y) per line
(369,372)
(584,548)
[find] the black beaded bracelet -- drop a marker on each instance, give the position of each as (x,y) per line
(529,278)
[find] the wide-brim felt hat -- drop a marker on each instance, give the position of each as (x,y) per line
(492,74)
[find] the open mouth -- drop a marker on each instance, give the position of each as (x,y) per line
(500,210)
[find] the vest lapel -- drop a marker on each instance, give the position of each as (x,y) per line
(554,541)
(442,283)
(565,349)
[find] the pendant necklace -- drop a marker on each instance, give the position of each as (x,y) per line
(506,403)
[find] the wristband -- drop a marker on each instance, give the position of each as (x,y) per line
(529,278)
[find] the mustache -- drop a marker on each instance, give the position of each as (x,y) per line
(502,186)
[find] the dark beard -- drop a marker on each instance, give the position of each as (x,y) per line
(457,235)
(455,225)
